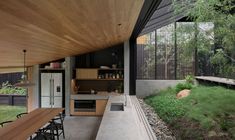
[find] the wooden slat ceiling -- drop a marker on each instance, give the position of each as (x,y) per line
(53,29)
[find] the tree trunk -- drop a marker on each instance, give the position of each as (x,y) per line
(166,67)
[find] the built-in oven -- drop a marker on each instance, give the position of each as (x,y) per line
(84,105)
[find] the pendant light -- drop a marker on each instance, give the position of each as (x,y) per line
(24,82)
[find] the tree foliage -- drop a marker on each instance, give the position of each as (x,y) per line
(221,14)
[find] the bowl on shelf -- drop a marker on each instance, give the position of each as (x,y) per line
(104,67)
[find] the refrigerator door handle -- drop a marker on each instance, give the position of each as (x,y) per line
(53,90)
(50,91)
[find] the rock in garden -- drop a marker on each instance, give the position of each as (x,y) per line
(212,134)
(183,93)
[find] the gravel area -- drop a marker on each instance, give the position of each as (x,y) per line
(159,127)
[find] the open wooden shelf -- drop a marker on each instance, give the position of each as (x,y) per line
(102,79)
(51,69)
(111,69)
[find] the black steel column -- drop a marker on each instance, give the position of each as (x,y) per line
(195,51)
(133,68)
(155,54)
(175,39)
(146,12)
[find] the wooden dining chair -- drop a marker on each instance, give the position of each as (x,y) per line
(56,126)
(21,114)
(2,124)
(43,135)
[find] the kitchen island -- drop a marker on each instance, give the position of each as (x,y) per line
(129,124)
(126,121)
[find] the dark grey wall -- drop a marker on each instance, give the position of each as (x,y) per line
(105,57)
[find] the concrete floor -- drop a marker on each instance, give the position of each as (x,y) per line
(81,128)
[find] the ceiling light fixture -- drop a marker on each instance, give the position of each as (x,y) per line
(24,82)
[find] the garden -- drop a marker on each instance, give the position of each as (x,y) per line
(12,101)
(207,40)
(8,113)
(11,95)
(208,112)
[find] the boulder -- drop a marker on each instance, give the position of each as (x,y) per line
(183,93)
(212,134)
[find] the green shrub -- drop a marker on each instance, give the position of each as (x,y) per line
(7,88)
(190,79)
(166,105)
(182,86)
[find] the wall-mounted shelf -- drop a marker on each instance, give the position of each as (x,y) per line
(103,79)
(99,74)
(52,69)
(100,71)
(111,69)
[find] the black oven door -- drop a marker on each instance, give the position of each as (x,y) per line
(85,105)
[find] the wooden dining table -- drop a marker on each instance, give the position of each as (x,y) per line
(27,125)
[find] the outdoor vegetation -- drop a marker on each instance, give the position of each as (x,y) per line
(7,88)
(214,41)
(208,112)
(202,44)
(9,112)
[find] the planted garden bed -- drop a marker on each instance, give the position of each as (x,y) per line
(10,95)
(207,113)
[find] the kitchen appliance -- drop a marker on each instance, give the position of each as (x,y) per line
(51,90)
(85,105)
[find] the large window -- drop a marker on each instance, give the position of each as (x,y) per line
(170,52)
(165,53)
(205,47)
(185,35)
(146,56)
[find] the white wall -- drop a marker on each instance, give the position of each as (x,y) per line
(148,87)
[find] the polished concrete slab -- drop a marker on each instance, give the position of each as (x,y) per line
(129,124)
(81,128)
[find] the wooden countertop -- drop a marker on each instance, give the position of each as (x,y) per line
(24,127)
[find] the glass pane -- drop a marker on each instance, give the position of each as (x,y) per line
(146,56)
(185,48)
(205,43)
(165,53)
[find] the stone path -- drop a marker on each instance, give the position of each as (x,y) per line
(159,127)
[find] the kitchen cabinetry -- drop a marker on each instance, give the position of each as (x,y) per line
(98,111)
(100,107)
(86,73)
(99,74)
(98,80)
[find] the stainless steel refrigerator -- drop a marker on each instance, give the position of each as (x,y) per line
(51,90)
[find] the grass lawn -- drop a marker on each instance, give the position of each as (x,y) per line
(10,112)
(207,113)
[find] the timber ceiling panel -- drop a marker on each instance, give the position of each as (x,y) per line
(53,29)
